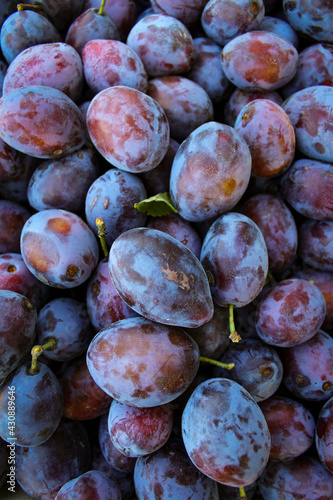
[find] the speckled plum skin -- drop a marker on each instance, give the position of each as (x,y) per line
(290,313)
(314,67)
(10,162)
(160,278)
(18,324)
(225,433)
(90,25)
(138,432)
(107,63)
(45,240)
(259,60)
(308,368)
(187,12)
(324,433)
(13,216)
(210,172)
(92,484)
(223,20)
(163,43)
(312,19)
(112,197)
(278,227)
(41,121)
(291,426)
(55,65)
(324,281)
(104,304)
(207,69)
(185,103)
(142,363)
(269,133)
(128,128)
(311,113)
(169,473)
(240,97)
(83,399)
(304,477)
(234,255)
(308,187)
(258,367)
(16,277)
(316,244)
(24,29)
(38,405)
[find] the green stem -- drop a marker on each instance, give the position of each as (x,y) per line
(36,351)
(101,234)
(101,9)
(27,6)
(242,493)
(234,337)
(227,366)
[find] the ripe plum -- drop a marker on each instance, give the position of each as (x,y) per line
(92,484)
(316,244)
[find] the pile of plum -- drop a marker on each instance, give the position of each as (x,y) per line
(166,249)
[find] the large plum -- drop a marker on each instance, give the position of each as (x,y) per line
(160,278)
(142,363)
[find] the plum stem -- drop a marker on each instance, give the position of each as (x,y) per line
(101,9)
(101,234)
(234,337)
(27,6)
(242,493)
(227,366)
(36,351)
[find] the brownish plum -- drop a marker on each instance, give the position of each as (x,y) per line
(291,426)
(41,121)
(316,244)
(210,172)
(83,399)
(303,477)
(163,43)
(308,187)
(234,256)
(259,60)
(142,363)
(278,226)
(290,313)
(169,473)
(129,128)
(137,432)
(223,20)
(55,65)
(269,133)
(92,484)
(308,368)
(160,278)
(185,103)
(107,63)
(310,111)
(46,239)
(225,433)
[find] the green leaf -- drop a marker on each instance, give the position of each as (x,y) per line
(157,205)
